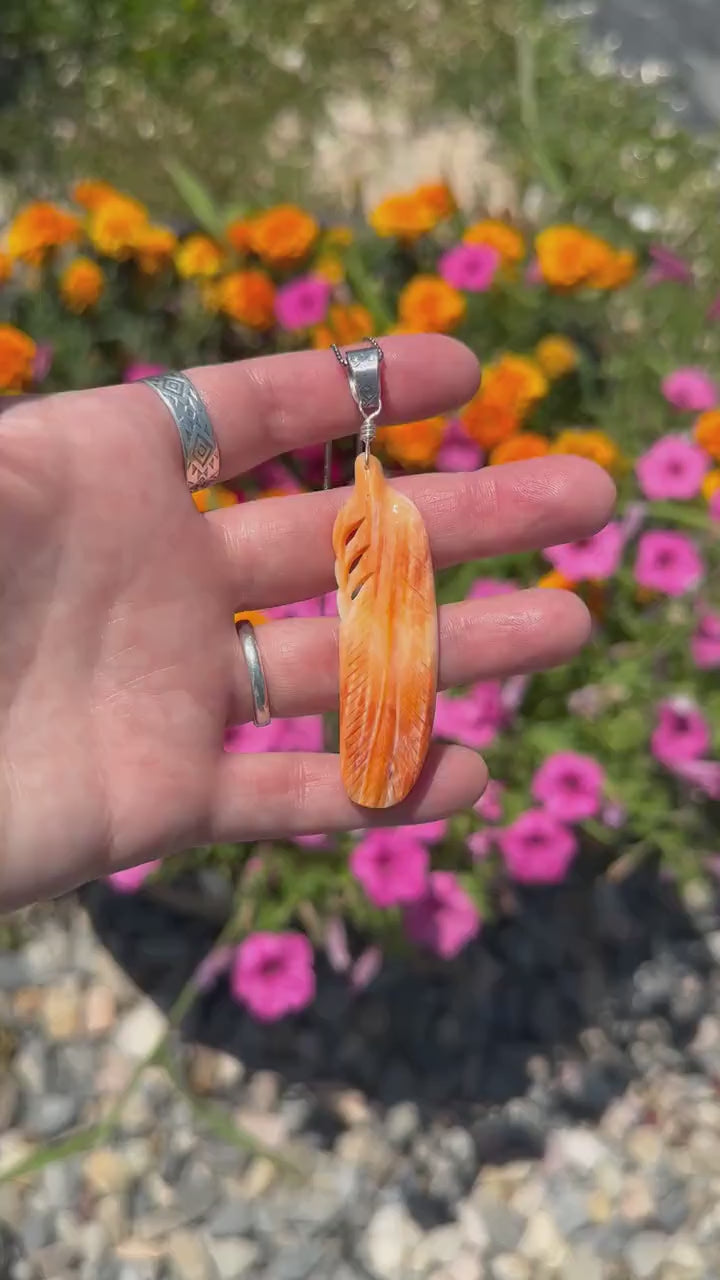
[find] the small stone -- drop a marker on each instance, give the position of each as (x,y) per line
(49,1115)
(542,1242)
(437,1248)
(391,1237)
(13,1149)
(138,1115)
(9,1100)
(299,1261)
(599,1206)
(14,970)
(91,1240)
(645,1145)
(583,1262)
(106,1172)
(636,1203)
(27,1003)
(197,1192)
(140,1030)
(263,1091)
(48,953)
(234,1218)
(100,1010)
(466,1266)
(234,1259)
(646,1253)
(686,1255)
(38,1231)
(61,1013)
(578,1148)
(352,1108)
(569,1208)
(365,1148)
(189,1256)
(269,1129)
(402,1123)
(507,1266)
(110,1211)
(505,1227)
(259,1178)
(472,1225)
(529,1197)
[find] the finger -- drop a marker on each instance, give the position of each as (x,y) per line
(479,640)
(265,796)
(280,549)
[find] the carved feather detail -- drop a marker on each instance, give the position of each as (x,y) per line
(388,640)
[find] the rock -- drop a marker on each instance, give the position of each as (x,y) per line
(110,1211)
(472,1225)
(646,1253)
(211,1071)
(390,1239)
(686,1256)
(100,1011)
(48,953)
(437,1248)
(14,970)
(599,1206)
(541,1241)
(38,1230)
(61,1013)
(583,1262)
(466,1266)
(504,1226)
(259,1178)
(402,1123)
(645,1145)
(234,1218)
(569,1208)
(61,1183)
(49,1115)
(507,1266)
(189,1256)
(263,1091)
(107,1172)
(13,1149)
(352,1108)
(140,1030)
(299,1261)
(636,1203)
(269,1129)
(365,1148)
(197,1192)
(235,1259)
(9,1100)
(578,1148)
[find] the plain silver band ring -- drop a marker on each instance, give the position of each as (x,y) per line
(199,446)
(258,683)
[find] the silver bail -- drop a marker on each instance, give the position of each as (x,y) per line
(363,372)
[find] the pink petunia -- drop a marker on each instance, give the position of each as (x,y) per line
(318,840)
(337,948)
(140,369)
(483,588)
(668,267)
(569,786)
(275,475)
(469,266)
(490,804)
(690,389)
(702,774)
(272,974)
(681,732)
(445,919)
(480,844)
(537,848)
(42,362)
(672,468)
(705,643)
(304,733)
(457,451)
(391,867)
(366,968)
(474,719)
(132,879)
(426,832)
(667,562)
(595,558)
(302,303)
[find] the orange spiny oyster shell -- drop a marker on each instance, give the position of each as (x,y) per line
(388,640)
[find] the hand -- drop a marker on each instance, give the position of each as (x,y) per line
(119,663)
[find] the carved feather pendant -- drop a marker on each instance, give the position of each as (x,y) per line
(388,639)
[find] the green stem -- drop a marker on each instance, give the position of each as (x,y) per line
(530,113)
(689,516)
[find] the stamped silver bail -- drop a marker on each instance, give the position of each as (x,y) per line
(362,365)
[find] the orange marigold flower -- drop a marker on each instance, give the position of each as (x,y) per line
(710,483)
(154,247)
(199,256)
(283,235)
(405,216)
(430,305)
(595,445)
(555,580)
(568,255)
(707,432)
(90,192)
(515,381)
(252,616)
(238,234)
(413,444)
(345,324)
(17,353)
(81,284)
(212,499)
(520,447)
(116,224)
(6,266)
(38,228)
(489,423)
(499,235)
(556,355)
(248,297)
(618,268)
(438,197)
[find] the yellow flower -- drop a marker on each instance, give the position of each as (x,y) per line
(499,235)
(81,284)
(594,445)
(710,483)
(707,432)
(38,228)
(91,192)
(212,499)
(154,248)
(555,580)
(199,256)
(284,235)
(406,216)
(519,448)
(556,355)
(413,444)
(248,297)
(330,267)
(568,256)
(17,354)
(429,304)
(115,225)
(338,237)
(618,268)
(6,266)
(250,615)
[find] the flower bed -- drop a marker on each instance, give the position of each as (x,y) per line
(604,347)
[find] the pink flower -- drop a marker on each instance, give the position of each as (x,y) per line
(212,967)
(533,274)
(274,475)
(705,644)
(632,520)
(614,815)
(569,786)
(316,841)
(305,733)
(302,303)
(366,968)
(594,558)
(272,974)
(445,918)
(484,587)
(391,867)
(473,719)
(537,848)
(480,844)
(667,562)
(139,369)
(42,361)
(469,266)
(426,832)
(668,266)
(457,451)
(703,774)
(681,732)
(337,949)
(690,390)
(490,804)
(714,505)
(672,468)
(130,880)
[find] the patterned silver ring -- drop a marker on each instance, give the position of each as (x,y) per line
(199,446)
(258,683)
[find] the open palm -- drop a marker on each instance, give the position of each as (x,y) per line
(119,664)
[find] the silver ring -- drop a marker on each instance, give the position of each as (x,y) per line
(258,683)
(199,446)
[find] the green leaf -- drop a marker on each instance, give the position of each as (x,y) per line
(197,198)
(52,1152)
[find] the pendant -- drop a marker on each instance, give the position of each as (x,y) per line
(388,622)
